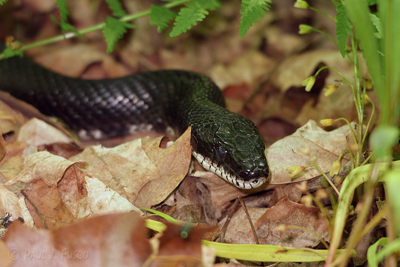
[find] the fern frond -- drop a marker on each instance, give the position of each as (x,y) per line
(187,17)
(62,6)
(66,27)
(378,25)
(116,8)
(2,2)
(191,14)
(251,11)
(113,30)
(208,4)
(343,28)
(160,16)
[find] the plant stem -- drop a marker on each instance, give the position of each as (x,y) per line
(326,177)
(322,12)
(97,27)
(357,98)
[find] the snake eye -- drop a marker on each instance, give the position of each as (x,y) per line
(222,152)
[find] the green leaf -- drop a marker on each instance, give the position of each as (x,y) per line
(382,139)
(187,17)
(67,27)
(2,2)
(358,12)
(371,254)
(62,6)
(116,8)
(343,28)
(392,181)
(160,16)
(113,30)
(374,257)
(208,4)
(251,11)
(191,14)
(378,25)
(268,253)
(9,52)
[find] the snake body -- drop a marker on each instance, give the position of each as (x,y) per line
(223,142)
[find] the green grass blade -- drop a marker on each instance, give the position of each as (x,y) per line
(267,253)
(358,13)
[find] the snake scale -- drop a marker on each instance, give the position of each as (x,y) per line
(223,142)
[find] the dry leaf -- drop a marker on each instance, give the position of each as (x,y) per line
(239,230)
(248,69)
(5,258)
(109,240)
(324,148)
(140,170)
(178,245)
(73,60)
(14,206)
(266,220)
(60,192)
(37,132)
(287,212)
(10,120)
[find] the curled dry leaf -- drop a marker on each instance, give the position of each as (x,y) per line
(10,120)
(108,240)
(140,170)
(324,149)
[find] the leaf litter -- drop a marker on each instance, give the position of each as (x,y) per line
(67,193)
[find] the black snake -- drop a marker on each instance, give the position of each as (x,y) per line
(225,143)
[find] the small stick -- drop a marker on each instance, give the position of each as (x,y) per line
(228,220)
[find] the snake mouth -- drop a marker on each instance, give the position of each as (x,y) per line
(209,165)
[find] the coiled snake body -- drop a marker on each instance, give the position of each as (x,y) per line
(223,142)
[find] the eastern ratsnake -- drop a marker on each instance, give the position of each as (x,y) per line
(225,143)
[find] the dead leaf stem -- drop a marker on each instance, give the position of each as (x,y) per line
(36,210)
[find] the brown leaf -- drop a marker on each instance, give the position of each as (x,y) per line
(140,170)
(61,192)
(47,200)
(37,132)
(193,202)
(65,150)
(266,220)
(172,165)
(10,120)
(73,60)
(239,230)
(14,206)
(5,255)
(16,113)
(175,249)
(109,240)
(323,148)
(289,213)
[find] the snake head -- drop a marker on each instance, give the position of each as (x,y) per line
(231,148)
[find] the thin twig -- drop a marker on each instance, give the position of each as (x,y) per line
(248,217)
(228,220)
